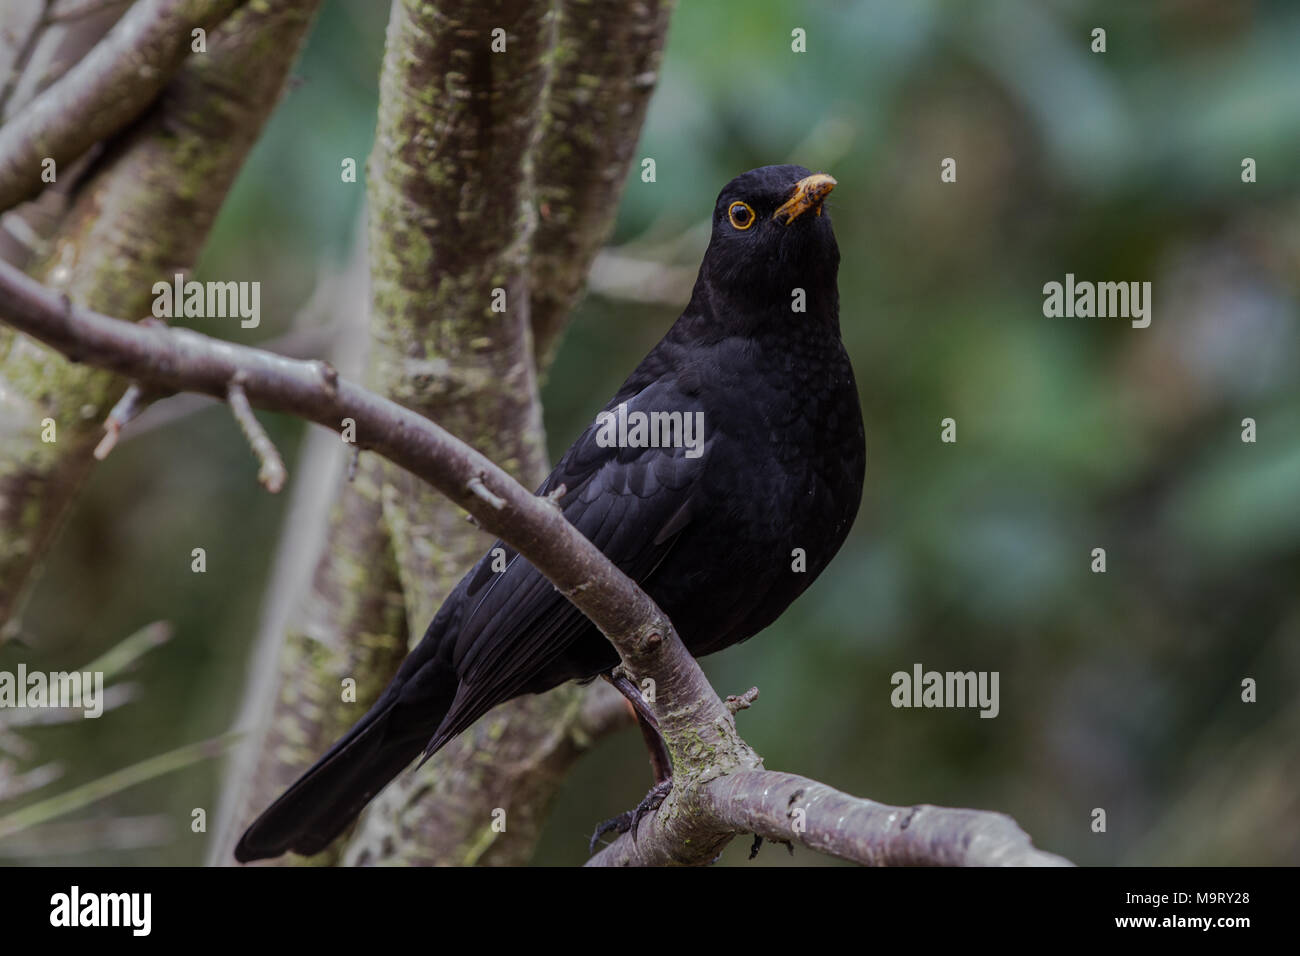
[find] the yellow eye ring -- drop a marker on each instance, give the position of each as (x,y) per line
(741,215)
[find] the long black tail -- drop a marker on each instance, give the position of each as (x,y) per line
(328,797)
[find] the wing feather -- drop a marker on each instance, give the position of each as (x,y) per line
(632,503)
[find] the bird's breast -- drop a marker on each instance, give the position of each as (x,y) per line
(783,483)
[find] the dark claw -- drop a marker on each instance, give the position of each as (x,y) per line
(630,819)
(619,824)
(653,801)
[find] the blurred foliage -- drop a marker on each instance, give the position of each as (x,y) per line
(1119,691)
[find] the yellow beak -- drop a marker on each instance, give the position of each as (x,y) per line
(808,192)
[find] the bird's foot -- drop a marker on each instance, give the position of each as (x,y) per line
(758,845)
(629,820)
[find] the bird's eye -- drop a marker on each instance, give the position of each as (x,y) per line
(742,217)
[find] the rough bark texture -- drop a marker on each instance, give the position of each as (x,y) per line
(452,192)
(309,618)
(454,211)
(178,359)
(106,90)
(786,808)
(606,64)
(490,795)
(453,216)
(450,186)
(40,52)
(481,141)
(140,215)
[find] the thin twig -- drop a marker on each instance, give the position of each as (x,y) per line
(271,473)
(742,701)
(77,838)
(301,342)
(88,793)
(118,695)
(15,785)
(476,485)
(122,655)
(128,407)
(14,745)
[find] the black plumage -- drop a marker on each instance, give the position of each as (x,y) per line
(709,533)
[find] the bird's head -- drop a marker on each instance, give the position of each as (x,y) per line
(771,236)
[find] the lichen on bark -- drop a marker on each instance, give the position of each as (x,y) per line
(450,189)
(471,145)
(141,214)
(606,64)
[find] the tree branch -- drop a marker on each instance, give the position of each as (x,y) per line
(332,608)
(23,53)
(786,808)
(111,86)
(183,360)
(141,211)
(271,473)
(79,9)
(607,57)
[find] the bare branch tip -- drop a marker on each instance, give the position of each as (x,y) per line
(481,490)
(272,473)
(743,701)
(128,407)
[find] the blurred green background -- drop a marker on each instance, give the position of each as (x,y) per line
(1119,690)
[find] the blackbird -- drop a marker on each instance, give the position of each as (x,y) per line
(723,527)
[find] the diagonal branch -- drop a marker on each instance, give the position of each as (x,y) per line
(111,86)
(786,808)
(183,360)
(23,54)
(141,210)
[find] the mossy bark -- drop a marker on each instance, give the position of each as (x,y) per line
(140,215)
(509,140)
(452,219)
(606,65)
(104,92)
(453,206)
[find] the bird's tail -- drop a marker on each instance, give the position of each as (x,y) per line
(324,800)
